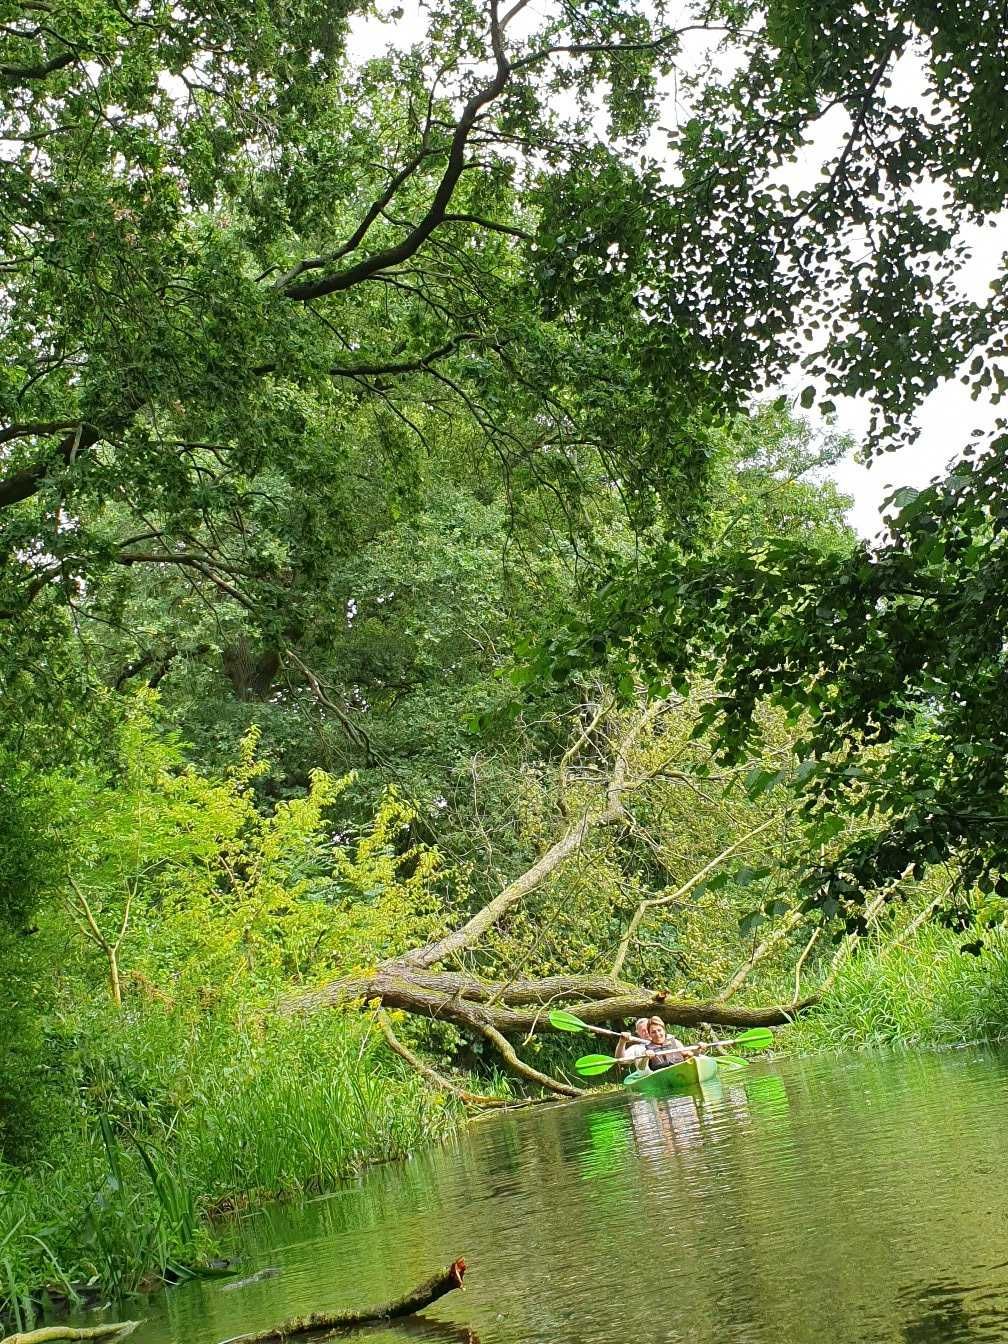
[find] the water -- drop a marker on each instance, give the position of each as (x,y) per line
(816,1201)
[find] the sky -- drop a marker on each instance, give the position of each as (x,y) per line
(947,416)
(946,419)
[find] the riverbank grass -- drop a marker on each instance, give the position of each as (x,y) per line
(175,1120)
(926,993)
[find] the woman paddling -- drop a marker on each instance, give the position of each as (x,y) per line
(664,1050)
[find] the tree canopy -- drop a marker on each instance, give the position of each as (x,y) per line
(259,295)
(890,657)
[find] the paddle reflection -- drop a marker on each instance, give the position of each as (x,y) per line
(766,1096)
(608,1143)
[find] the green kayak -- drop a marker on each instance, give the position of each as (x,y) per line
(692,1072)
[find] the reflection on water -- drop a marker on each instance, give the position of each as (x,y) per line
(805,1202)
(436,1332)
(943,1312)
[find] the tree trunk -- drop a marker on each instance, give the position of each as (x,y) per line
(251,672)
(113,965)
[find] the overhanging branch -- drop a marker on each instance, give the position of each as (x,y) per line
(402,251)
(394,367)
(17,74)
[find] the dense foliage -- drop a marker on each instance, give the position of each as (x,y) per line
(240,350)
(889,657)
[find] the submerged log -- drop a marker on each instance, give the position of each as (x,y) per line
(112,1330)
(320,1322)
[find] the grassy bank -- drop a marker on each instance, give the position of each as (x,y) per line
(926,993)
(166,1121)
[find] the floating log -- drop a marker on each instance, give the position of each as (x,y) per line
(446,1281)
(112,1330)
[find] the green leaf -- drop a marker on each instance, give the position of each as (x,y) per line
(750,922)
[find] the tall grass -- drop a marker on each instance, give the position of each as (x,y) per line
(177,1120)
(924,994)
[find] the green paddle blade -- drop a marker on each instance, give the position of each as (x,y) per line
(588,1066)
(729,1063)
(756,1038)
(561,1021)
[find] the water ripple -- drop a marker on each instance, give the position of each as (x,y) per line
(855,1201)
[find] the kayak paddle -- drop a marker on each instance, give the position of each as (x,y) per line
(560,1020)
(589,1066)
(756,1038)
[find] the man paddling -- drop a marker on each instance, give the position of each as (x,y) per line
(633,1046)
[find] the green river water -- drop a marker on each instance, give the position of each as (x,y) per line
(816,1200)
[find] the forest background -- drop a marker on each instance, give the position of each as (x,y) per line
(414,580)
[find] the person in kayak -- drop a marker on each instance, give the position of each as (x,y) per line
(633,1046)
(664,1050)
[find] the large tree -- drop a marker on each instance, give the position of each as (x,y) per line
(253,291)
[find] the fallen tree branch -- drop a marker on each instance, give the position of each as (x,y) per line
(518,1066)
(394,986)
(422,1296)
(438,1079)
(569,843)
(570,755)
(547,990)
(680,892)
(111,1330)
(504,1012)
(791,921)
(804,957)
(922,917)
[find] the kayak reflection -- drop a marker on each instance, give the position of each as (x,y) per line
(661,1128)
(666,1128)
